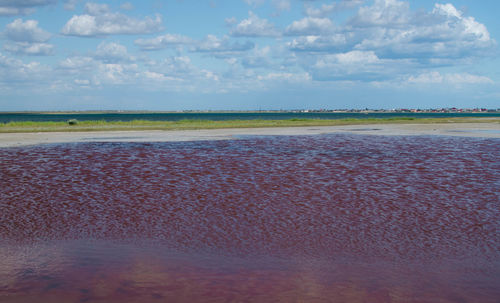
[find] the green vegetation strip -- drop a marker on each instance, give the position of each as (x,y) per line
(76,126)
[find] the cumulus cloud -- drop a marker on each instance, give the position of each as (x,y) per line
(178,73)
(11,11)
(98,70)
(260,57)
(21,7)
(310,26)
(282,5)
(76,63)
(26,38)
(467,26)
(14,74)
(254,2)
(353,65)
(254,26)
(315,43)
(387,13)
(31,49)
(98,20)
(392,30)
(350,58)
(221,47)
(451,78)
(28,31)
(163,41)
(127,6)
(115,74)
(95,9)
(286,77)
(70,5)
(111,52)
(327,9)
(174,67)
(279,5)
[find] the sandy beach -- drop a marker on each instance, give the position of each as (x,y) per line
(486,130)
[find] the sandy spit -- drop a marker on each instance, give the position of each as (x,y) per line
(485,130)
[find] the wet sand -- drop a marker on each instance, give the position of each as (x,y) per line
(486,130)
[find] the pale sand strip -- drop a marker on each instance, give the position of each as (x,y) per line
(485,130)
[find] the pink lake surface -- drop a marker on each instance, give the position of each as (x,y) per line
(327,218)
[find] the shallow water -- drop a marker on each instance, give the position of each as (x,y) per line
(333,218)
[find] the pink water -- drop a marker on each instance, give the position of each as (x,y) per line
(334,218)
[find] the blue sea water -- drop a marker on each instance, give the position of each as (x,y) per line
(11,117)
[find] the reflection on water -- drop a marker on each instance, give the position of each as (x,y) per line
(340,218)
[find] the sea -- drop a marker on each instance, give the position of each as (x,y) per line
(216,116)
(321,218)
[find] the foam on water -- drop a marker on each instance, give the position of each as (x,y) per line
(311,218)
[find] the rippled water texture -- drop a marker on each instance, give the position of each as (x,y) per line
(337,218)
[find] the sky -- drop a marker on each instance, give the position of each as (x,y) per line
(248,54)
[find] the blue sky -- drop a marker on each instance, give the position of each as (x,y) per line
(248,54)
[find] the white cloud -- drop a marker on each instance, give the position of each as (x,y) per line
(110,52)
(286,77)
(176,66)
(221,47)
(115,73)
(21,7)
(76,63)
(95,9)
(310,26)
(231,21)
(349,58)
(282,5)
(177,73)
(28,31)
(442,33)
(164,41)
(327,9)
(12,11)
(260,57)
(15,74)
(159,77)
(312,43)
(451,78)
(82,82)
(70,5)
(391,30)
(323,11)
(209,75)
(467,25)
(32,49)
(99,70)
(387,13)
(26,3)
(254,2)
(254,26)
(26,38)
(354,65)
(99,21)
(127,6)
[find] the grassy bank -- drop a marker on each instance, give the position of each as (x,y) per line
(75,126)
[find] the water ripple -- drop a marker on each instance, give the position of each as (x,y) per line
(331,198)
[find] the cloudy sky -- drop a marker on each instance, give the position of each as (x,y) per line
(248,54)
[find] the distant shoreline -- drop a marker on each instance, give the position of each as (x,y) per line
(471,129)
(397,111)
